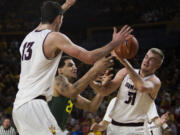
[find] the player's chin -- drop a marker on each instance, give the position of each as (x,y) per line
(75,76)
(143,68)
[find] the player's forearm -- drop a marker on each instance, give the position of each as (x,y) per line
(83,82)
(95,103)
(101,52)
(135,77)
(65,7)
(105,91)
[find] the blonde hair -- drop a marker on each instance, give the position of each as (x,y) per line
(158,52)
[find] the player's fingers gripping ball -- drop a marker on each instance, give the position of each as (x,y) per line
(128,49)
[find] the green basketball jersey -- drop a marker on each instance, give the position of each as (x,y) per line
(61,108)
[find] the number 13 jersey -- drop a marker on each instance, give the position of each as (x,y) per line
(37,72)
(131,105)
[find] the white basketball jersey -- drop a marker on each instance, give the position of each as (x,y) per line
(37,72)
(109,109)
(131,105)
(152,113)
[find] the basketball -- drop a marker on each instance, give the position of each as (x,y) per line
(128,49)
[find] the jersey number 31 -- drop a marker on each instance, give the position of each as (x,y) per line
(131,99)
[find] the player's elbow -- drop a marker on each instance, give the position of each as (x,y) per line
(73,95)
(90,59)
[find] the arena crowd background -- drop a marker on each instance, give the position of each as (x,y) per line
(89,23)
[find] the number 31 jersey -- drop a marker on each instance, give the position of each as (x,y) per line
(37,72)
(131,105)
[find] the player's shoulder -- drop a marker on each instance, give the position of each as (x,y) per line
(57,35)
(60,78)
(156,80)
(122,72)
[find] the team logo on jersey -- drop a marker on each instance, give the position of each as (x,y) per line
(52,129)
(130,86)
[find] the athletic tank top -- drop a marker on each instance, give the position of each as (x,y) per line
(37,72)
(61,108)
(131,106)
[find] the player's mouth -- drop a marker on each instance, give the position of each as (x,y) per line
(75,72)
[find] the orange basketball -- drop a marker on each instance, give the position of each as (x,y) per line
(128,49)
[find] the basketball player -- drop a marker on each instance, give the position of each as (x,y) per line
(137,89)
(67,92)
(41,51)
(152,115)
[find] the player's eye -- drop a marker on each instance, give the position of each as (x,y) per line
(70,65)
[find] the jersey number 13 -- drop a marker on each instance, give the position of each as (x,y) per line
(27,51)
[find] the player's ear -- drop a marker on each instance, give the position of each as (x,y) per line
(158,66)
(57,19)
(60,71)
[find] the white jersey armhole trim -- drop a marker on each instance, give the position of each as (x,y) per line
(43,47)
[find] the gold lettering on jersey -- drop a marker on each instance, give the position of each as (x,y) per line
(69,107)
(130,86)
(52,129)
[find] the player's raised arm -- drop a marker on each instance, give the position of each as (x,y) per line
(67,5)
(151,85)
(63,43)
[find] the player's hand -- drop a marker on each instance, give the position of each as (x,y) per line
(106,78)
(94,127)
(103,64)
(164,118)
(122,35)
(70,2)
(102,81)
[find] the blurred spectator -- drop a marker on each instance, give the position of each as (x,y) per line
(6,128)
(77,130)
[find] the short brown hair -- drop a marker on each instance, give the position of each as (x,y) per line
(49,11)
(158,52)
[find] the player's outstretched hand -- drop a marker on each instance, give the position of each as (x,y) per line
(95,127)
(101,81)
(70,2)
(106,78)
(122,35)
(103,64)
(164,118)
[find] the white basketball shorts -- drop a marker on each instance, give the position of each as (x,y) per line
(123,130)
(35,118)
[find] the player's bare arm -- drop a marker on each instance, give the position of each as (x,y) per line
(56,40)
(112,86)
(91,106)
(101,126)
(67,89)
(67,5)
(151,85)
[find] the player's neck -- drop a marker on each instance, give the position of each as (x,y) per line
(45,26)
(145,74)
